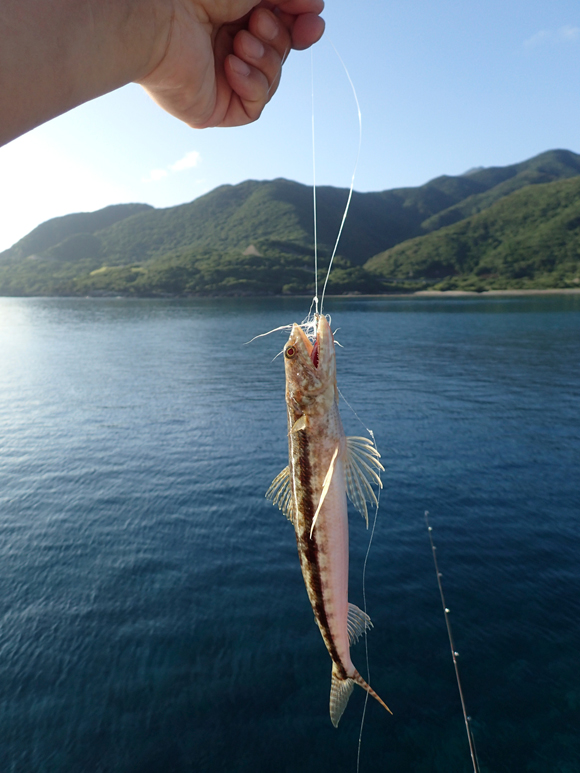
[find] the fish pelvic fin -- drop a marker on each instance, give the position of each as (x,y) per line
(340,691)
(359,680)
(280,493)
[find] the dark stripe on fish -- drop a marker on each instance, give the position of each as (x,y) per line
(309,550)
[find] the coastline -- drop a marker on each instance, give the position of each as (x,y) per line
(450,293)
(440,294)
(459,293)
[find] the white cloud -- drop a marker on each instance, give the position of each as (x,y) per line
(188,161)
(540,37)
(567,34)
(154,176)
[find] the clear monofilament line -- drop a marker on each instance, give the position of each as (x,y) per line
(364,587)
(314,187)
(364,590)
(454,654)
(352,180)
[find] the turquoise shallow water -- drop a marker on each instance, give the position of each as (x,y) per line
(152,612)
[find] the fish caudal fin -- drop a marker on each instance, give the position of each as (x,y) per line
(359,680)
(340,691)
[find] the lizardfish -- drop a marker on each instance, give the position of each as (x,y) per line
(325,466)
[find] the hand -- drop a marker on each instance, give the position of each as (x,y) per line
(223,58)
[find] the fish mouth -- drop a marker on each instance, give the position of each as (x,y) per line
(323,347)
(312,349)
(316,352)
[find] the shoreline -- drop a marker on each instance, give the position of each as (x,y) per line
(440,294)
(456,293)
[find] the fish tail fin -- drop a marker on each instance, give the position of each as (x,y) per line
(356,677)
(340,690)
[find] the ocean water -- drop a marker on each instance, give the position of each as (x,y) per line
(153,617)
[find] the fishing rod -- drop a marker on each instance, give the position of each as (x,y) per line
(454,653)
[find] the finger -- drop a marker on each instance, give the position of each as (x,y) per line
(307,30)
(271,30)
(263,57)
(250,87)
(296,7)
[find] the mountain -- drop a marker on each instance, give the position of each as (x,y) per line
(59,229)
(528,239)
(498,182)
(256,237)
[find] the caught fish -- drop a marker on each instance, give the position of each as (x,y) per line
(325,466)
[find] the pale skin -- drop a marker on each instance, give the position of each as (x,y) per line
(207,62)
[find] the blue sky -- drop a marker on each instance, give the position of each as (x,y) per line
(443,86)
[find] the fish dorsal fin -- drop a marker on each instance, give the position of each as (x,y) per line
(325,487)
(362,468)
(357,622)
(280,493)
(340,692)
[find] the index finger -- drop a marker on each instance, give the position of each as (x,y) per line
(297,7)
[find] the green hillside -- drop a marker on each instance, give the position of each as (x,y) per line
(501,181)
(530,239)
(58,229)
(199,248)
(256,238)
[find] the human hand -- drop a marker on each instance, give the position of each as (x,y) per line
(223,59)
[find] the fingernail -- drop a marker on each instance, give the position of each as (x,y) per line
(253,48)
(238,66)
(267,26)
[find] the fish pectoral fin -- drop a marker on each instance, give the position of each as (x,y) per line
(299,424)
(357,622)
(362,468)
(280,493)
(340,691)
(325,487)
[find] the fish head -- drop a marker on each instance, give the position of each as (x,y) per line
(311,368)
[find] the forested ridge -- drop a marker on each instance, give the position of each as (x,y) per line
(493,228)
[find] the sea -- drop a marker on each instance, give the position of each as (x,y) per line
(153,617)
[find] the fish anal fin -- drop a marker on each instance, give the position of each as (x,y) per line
(362,472)
(357,623)
(280,493)
(340,691)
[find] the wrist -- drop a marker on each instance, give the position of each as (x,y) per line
(55,56)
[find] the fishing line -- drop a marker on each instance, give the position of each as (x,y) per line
(276,80)
(362,722)
(364,575)
(454,654)
(321,307)
(352,180)
(315,301)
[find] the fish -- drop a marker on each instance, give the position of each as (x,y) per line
(324,466)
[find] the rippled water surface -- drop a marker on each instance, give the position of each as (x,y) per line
(153,615)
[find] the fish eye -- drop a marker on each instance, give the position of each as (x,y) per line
(290,352)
